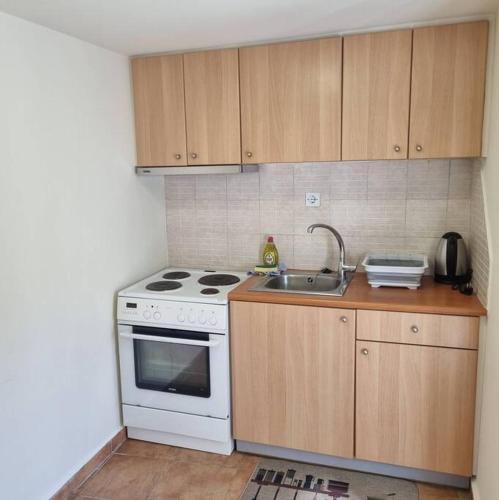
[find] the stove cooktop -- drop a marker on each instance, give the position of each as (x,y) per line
(187,285)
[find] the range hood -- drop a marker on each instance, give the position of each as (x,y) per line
(197,170)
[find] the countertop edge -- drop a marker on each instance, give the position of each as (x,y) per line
(469,306)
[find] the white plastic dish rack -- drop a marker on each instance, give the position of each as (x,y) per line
(396,270)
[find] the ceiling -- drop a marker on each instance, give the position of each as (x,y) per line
(148,26)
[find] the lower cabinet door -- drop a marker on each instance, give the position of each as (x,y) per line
(415,406)
(293,376)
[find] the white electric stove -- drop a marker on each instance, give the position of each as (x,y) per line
(173,332)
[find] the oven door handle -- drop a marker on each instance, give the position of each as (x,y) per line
(169,340)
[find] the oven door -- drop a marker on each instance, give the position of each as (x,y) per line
(175,370)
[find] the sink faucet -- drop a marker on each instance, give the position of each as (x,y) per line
(342,267)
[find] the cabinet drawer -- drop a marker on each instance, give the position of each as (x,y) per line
(420,329)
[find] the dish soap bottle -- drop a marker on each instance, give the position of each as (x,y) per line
(270,253)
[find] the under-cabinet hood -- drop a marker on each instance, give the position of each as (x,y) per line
(196,170)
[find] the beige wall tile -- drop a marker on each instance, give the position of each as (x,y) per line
(243,216)
(427,180)
(245,250)
(461,172)
(211,187)
(458,216)
(386,218)
(243,186)
(349,180)
(349,217)
(384,244)
(312,178)
(211,216)
(304,216)
(313,252)
(180,187)
(276,181)
(213,249)
(387,180)
(426,218)
(277,216)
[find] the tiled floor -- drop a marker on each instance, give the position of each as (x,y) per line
(140,471)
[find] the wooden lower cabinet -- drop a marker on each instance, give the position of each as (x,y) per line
(293,376)
(415,406)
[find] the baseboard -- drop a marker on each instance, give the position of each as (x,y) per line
(418,475)
(91,466)
(474,489)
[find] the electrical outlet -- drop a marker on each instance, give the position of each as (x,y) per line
(312,199)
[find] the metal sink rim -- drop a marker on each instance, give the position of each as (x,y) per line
(338,291)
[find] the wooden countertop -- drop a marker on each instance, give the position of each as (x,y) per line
(431,298)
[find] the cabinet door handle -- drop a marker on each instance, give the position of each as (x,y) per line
(178,156)
(396,148)
(414,329)
(419,147)
(364,351)
(194,155)
(249,154)
(344,319)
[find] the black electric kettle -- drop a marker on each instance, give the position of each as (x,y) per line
(451,260)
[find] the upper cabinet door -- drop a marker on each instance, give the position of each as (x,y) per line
(448,84)
(376,89)
(158,87)
(212,107)
(291,101)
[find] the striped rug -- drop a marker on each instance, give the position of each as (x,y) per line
(283,480)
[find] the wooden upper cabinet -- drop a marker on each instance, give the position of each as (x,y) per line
(448,85)
(212,107)
(158,88)
(291,101)
(415,406)
(376,90)
(292,370)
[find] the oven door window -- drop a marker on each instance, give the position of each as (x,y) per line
(172,367)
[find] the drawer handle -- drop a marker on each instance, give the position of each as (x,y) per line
(414,329)
(364,351)
(344,319)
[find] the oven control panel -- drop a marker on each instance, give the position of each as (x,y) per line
(183,315)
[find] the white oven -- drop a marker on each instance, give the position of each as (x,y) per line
(175,369)
(173,338)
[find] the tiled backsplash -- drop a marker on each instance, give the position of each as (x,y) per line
(222,221)
(478,239)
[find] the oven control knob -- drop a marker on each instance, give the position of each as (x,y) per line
(192,316)
(213,319)
(157,315)
(202,318)
(147,314)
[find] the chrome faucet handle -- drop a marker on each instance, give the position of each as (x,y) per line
(349,269)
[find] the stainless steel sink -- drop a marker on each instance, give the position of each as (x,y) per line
(307,283)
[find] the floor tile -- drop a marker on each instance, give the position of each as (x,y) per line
(125,477)
(147,471)
(197,481)
(144,449)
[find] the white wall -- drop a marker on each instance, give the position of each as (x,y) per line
(486,486)
(76,224)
